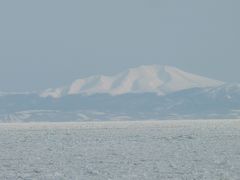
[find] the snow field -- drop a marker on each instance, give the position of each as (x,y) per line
(150,150)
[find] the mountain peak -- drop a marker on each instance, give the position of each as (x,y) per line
(147,78)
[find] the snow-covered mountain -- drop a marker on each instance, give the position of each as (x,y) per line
(157,79)
(145,92)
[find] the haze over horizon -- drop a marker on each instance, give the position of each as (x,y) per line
(51,43)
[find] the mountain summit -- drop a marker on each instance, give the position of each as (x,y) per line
(157,79)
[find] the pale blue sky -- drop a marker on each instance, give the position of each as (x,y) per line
(49,43)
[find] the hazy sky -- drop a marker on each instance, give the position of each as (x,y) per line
(49,43)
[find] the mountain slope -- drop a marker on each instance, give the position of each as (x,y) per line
(196,103)
(144,79)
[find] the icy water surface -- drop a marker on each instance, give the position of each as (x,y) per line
(150,150)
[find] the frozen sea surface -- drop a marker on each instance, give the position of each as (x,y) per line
(151,150)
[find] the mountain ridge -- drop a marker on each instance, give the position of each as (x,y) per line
(147,78)
(222,102)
